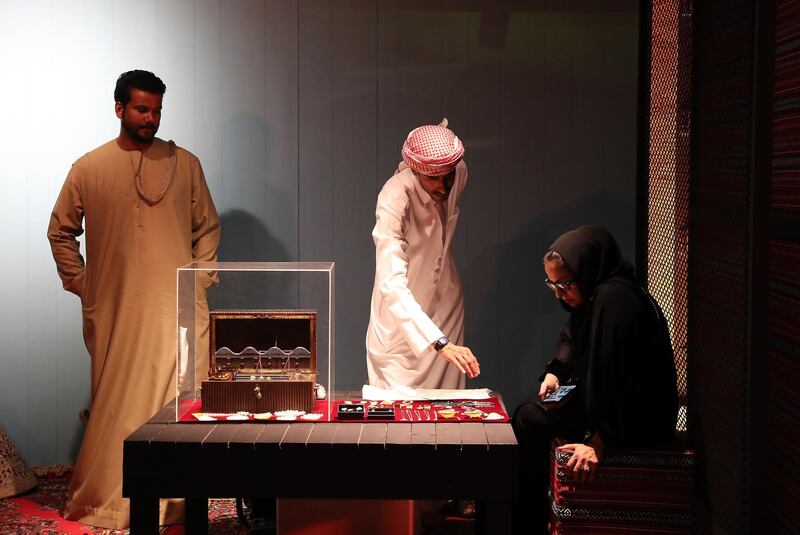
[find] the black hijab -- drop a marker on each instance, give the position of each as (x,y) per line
(593,256)
(616,344)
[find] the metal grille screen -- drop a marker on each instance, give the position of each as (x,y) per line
(668,189)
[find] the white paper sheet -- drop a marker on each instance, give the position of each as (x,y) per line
(401,393)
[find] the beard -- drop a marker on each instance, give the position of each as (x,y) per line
(135,132)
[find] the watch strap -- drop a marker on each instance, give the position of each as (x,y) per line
(440,343)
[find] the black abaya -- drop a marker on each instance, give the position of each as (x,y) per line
(616,348)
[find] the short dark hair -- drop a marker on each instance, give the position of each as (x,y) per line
(137,79)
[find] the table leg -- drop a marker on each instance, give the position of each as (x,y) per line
(492,517)
(144,515)
(196,515)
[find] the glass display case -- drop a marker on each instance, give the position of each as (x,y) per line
(255,339)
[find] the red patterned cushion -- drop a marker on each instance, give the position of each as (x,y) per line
(634,491)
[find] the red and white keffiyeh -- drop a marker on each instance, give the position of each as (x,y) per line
(432,150)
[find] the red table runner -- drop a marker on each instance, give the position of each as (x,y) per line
(457,410)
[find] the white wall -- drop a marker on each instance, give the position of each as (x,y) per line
(297,110)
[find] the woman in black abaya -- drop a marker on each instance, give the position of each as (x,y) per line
(616,349)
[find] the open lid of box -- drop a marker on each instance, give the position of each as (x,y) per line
(277,338)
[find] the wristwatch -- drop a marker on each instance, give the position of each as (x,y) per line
(439,344)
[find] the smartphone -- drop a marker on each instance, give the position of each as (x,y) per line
(559,394)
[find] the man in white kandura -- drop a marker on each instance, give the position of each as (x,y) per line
(416,324)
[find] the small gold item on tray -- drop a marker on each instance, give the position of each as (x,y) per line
(447,413)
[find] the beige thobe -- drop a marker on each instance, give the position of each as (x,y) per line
(417,295)
(127,291)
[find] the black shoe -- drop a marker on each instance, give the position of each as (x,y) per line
(263,526)
(260,515)
(459,508)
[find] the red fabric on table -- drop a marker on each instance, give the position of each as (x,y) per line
(417,414)
(197,407)
(403,415)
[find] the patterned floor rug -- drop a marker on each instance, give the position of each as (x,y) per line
(39,511)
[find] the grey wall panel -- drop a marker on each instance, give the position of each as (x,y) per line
(244,129)
(175,63)
(457,42)
(482,204)
(86,64)
(458,35)
(317,182)
(43,379)
(40,376)
(135,44)
(297,111)
(94,59)
(519,348)
(617,86)
(354,160)
(419,64)
(73,380)
(281,60)
(208,80)
(390,137)
(15,410)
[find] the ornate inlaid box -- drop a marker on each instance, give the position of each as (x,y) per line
(255,337)
(261,361)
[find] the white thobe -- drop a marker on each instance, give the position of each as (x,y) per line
(417,295)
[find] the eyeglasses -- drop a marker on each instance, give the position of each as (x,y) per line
(563,286)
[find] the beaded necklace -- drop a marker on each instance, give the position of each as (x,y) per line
(167,182)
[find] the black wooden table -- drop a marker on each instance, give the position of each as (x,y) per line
(198,461)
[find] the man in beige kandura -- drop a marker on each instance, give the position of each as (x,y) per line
(146,210)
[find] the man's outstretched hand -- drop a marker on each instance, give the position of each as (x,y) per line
(462,358)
